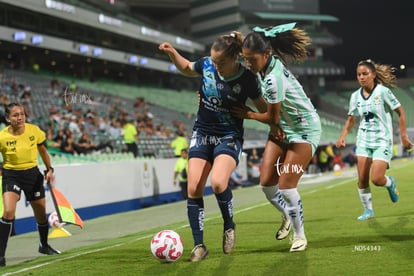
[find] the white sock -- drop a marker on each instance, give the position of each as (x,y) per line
(366,198)
(274,196)
(388,183)
(295,211)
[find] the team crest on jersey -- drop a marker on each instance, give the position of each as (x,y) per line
(31,138)
(237,89)
(220,86)
(377,100)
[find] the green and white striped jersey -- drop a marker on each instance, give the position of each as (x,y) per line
(375,127)
(280,85)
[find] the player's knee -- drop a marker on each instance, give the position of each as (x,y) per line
(378,180)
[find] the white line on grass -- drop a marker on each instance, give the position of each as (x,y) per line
(119,244)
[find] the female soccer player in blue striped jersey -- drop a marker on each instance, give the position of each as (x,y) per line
(295,125)
(216,142)
(373,102)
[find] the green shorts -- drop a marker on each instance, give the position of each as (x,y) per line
(380,153)
(308,134)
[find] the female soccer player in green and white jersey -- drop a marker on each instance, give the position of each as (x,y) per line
(374,102)
(295,125)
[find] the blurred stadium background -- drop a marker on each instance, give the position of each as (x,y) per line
(105,52)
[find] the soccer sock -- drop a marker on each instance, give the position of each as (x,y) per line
(388,183)
(366,198)
(225,202)
(274,196)
(295,211)
(5,231)
(195,213)
(43,232)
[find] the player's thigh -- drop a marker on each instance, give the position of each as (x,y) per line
(274,153)
(198,170)
(294,165)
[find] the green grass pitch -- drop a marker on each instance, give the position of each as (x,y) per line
(338,244)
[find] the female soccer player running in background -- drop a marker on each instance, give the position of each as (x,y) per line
(373,102)
(295,125)
(216,142)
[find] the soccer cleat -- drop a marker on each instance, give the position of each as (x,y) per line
(298,244)
(392,190)
(284,229)
(229,239)
(367,214)
(2,261)
(198,253)
(48,250)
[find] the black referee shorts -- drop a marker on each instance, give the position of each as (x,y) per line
(29,181)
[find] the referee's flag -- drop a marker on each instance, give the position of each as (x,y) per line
(64,209)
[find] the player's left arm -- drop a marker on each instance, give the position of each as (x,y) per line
(46,160)
(260,104)
(402,119)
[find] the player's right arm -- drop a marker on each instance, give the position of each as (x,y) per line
(183,65)
(348,126)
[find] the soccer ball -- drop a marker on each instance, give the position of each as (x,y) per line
(54,221)
(167,246)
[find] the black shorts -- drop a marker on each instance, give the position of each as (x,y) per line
(29,181)
(208,147)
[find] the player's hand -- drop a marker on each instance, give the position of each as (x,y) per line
(50,177)
(340,143)
(277,132)
(166,47)
(407,143)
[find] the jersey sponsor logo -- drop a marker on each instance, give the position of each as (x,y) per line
(214,100)
(12,143)
(31,138)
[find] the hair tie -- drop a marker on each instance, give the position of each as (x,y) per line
(273,32)
(232,35)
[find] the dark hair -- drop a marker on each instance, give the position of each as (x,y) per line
(384,73)
(9,107)
(230,45)
(291,43)
(369,63)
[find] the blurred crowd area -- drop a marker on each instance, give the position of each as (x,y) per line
(80,122)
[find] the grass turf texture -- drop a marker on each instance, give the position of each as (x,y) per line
(338,243)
